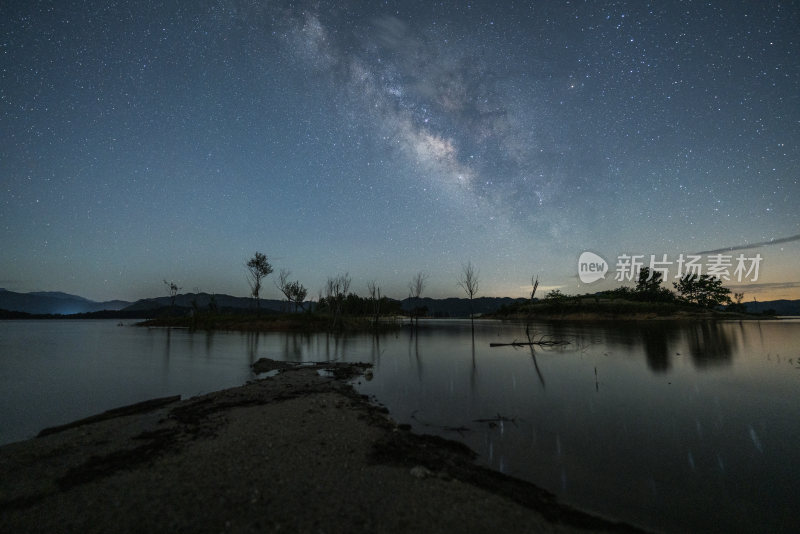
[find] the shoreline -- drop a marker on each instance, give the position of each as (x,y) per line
(300,450)
(593,317)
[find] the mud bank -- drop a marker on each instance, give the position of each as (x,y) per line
(299,451)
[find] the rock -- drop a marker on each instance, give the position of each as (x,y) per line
(420,471)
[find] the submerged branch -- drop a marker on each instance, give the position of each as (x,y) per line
(541,342)
(498,419)
(460,429)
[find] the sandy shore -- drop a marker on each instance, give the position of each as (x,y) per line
(300,451)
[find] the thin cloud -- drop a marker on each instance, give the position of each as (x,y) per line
(753,245)
(766,285)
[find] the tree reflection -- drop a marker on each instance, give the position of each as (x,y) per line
(167,348)
(658,341)
(252,347)
(473,372)
(375,353)
(710,345)
(532,347)
(293,345)
(536,366)
(209,341)
(413,346)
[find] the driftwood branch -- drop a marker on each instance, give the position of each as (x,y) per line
(541,342)
(494,420)
(460,429)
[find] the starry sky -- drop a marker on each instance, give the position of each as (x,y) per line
(143,141)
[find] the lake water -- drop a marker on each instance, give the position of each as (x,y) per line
(675,427)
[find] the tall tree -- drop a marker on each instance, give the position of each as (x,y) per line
(468,281)
(284,285)
(415,289)
(336,289)
(649,282)
(375,299)
(297,294)
(257,269)
(173,289)
(648,287)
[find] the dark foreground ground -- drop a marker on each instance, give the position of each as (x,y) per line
(298,452)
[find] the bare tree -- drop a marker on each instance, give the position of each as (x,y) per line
(417,284)
(284,285)
(415,289)
(173,289)
(375,297)
(468,281)
(294,292)
(257,269)
(534,285)
(336,289)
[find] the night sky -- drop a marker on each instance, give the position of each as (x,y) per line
(143,141)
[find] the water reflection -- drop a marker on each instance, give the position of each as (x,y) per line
(679,440)
(293,346)
(413,347)
(252,346)
(710,345)
(209,341)
(375,353)
(695,427)
(474,368)
(535,364)
(167,345)
(658,342)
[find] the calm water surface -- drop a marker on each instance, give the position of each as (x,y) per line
(676,427)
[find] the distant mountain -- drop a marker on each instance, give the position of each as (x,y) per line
(102,314)
(58,295)
(203,300)
(781,307)
(54,302)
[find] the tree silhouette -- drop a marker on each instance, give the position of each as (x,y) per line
(336,289)
(468,281)
(705,290)
(534,286)
(648,287)
(294,292)
(649,282)
(173,289)
(415,289)
(375,299)
(257,269)
(297,294)
(284,285)
(737,305)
